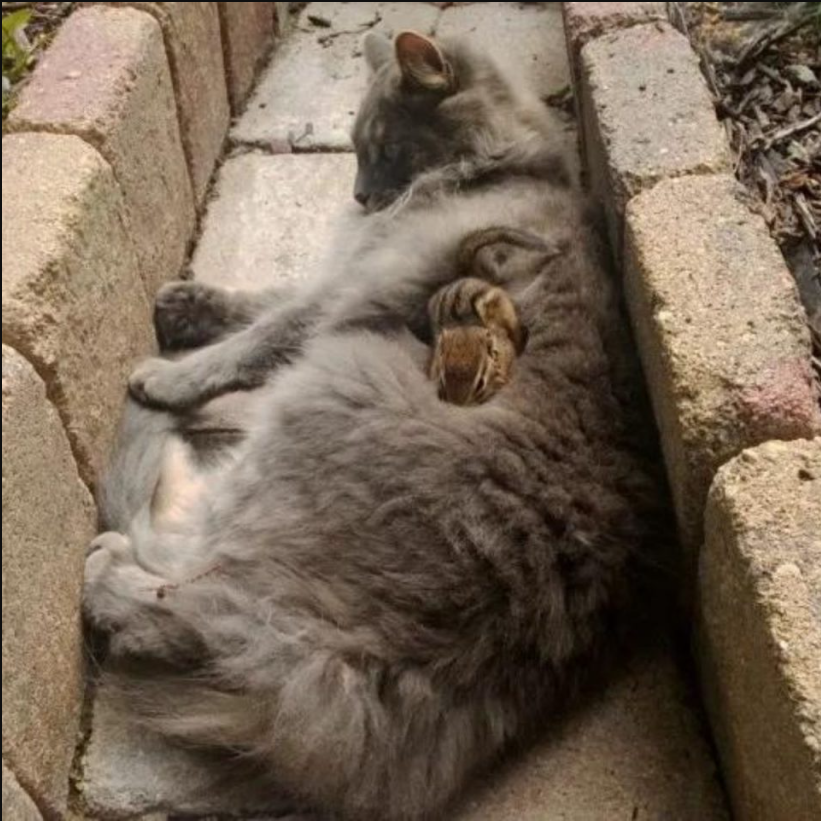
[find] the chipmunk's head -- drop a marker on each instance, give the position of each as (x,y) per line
(471,364)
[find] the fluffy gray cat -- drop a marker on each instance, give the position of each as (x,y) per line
(375,593)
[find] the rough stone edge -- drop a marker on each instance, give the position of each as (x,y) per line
(574,48)
(91,143)
(583,141)
(19,795)
(604,30)
(760,603)
(238,106)
(162,17)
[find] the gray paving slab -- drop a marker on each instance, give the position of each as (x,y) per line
(272,217)
(309,95)
(307,98)
(635,753)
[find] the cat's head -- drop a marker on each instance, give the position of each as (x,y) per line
(428,104)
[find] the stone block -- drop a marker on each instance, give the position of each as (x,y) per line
(73,301)
(247,37)
(721,333)
(587,21)
(48,520)
(647,116)
(759,629)
(17,806)
(105,78)
(194,45)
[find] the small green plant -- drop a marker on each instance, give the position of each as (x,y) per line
(16,50)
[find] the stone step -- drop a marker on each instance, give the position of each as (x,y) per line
(636,752)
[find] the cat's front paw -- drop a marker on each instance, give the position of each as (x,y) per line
(160,383)
(188,315)
(104,554)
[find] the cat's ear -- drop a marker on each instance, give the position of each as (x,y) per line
(424,66)
(377,49)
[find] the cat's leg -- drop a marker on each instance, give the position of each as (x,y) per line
(191,314)
(241,361)
(124,601)
(132,605)
(501,255)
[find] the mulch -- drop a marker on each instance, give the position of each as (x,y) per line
(762,62)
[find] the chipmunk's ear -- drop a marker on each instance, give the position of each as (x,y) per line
(423,64)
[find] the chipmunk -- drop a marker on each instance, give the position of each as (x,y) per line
(476,328)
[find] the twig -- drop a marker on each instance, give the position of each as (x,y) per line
(805,215)
(322,22)
(769,38)
(773,74)
(795,128)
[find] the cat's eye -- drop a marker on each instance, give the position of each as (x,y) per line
(392,151)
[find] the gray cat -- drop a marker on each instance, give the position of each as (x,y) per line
(376,593)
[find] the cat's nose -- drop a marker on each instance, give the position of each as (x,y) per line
(361,197)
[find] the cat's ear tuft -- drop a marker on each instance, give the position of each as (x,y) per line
(424,66)
(377,49)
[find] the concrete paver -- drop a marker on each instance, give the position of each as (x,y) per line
(247,36)
(308,96)
(106,79)
(48,521)
(760,628)
(194,45)
(624,73)
(272,217)
(636,751)
(721,333)
(526,39)
(17,806)
(73,300)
